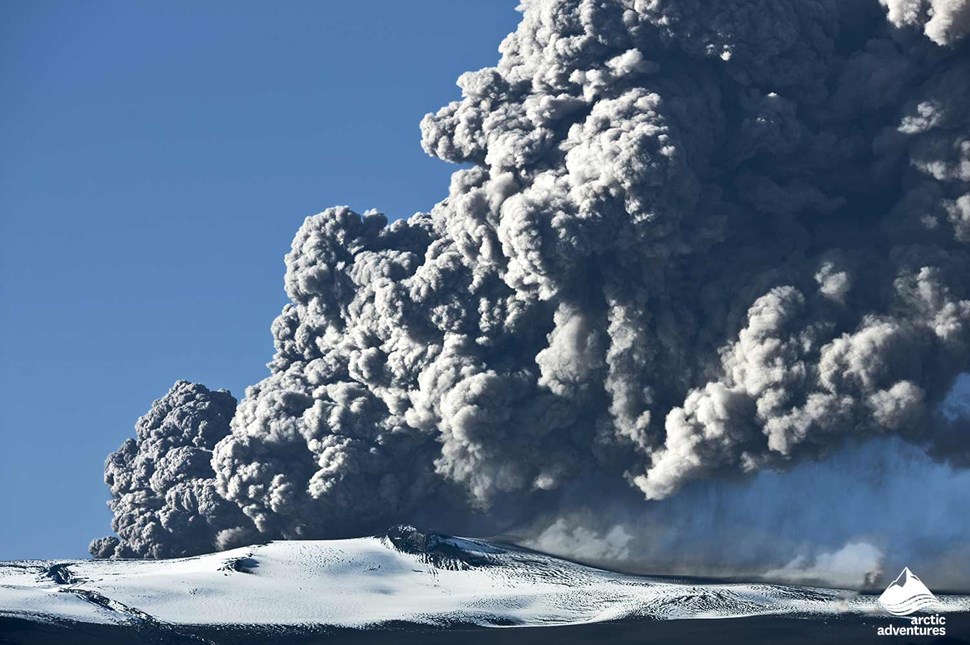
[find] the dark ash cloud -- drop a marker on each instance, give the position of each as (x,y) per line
(696,240)
(164,497)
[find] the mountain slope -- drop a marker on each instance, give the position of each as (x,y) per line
(402,576)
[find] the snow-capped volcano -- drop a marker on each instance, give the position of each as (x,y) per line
(402,576)
(906,594)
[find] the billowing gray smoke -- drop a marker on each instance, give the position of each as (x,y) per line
(165,501)
(695,239)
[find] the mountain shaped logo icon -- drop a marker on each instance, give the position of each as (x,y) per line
(906,594)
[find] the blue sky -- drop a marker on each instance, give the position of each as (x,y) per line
(155,161)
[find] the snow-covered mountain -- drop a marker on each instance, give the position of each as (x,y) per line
(402,576)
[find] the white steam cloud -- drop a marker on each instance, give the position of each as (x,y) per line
(854,562)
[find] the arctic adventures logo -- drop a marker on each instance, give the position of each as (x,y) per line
(904,596)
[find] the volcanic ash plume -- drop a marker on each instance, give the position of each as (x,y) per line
(694,239)
(165,502)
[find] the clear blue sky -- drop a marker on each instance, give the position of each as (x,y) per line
(156,159)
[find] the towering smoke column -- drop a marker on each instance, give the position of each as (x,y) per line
(695,239)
